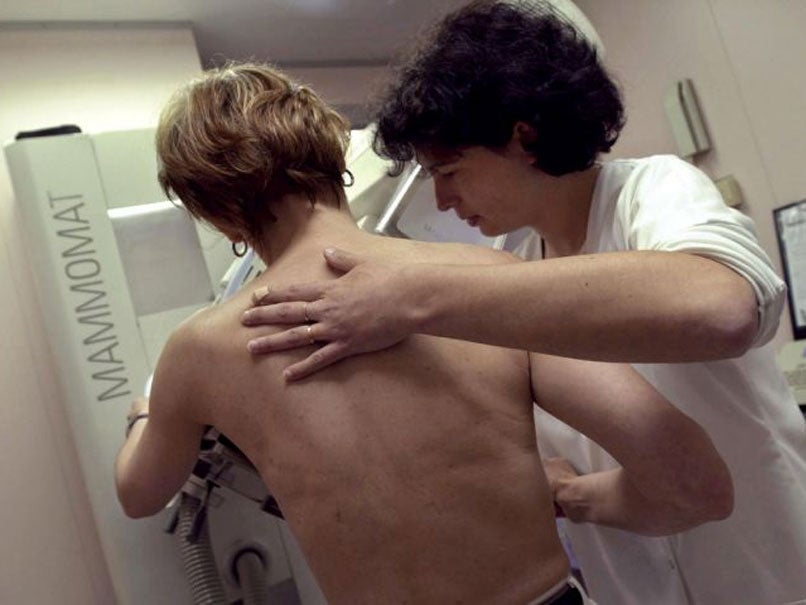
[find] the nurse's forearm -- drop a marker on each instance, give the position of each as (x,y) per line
(625,306)
(609,498)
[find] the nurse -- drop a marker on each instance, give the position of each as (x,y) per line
(508,108)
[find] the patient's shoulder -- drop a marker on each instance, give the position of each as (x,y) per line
(173,374)
(192,338)
(466,254)
(186,356)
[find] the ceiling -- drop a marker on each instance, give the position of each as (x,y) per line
(291,33)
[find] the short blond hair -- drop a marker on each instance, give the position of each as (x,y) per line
(243,135)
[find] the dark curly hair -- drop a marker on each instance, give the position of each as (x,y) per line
(490,65)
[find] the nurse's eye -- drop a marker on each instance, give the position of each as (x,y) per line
(424,173)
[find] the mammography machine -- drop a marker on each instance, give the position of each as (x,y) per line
(117,268)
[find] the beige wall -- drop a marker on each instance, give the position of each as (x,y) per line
(745,58)
(100,79)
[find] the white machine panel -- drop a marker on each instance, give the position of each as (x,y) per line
(112,288)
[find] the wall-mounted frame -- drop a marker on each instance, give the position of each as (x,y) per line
(790,227)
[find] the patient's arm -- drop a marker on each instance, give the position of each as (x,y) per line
(671,476)
(160,451)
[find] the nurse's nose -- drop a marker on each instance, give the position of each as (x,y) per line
(443,197)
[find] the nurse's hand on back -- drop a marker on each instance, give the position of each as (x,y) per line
(331,310)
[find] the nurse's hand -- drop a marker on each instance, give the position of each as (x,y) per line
(359,312)
(558,472)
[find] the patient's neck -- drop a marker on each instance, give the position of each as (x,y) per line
(302,227)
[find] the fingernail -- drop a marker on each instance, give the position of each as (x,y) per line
(259,293)
(330,251)
(252,346)
(246,317)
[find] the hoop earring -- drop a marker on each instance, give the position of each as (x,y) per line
(352,179)
(237,252)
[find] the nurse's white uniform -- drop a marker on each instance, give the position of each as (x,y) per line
(758,555)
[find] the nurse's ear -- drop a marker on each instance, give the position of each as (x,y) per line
(523,139)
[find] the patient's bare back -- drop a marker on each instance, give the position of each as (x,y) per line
(408,475)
